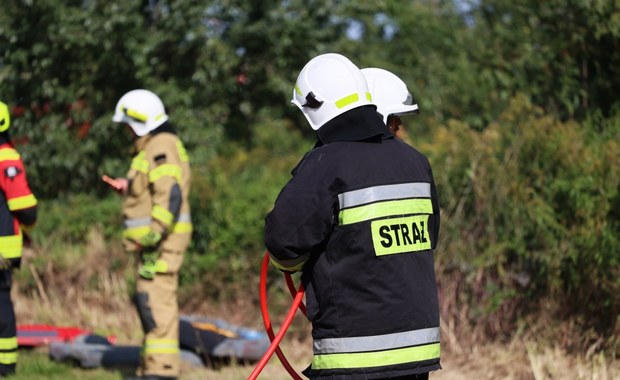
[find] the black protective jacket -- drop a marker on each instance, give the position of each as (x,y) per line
(360,218)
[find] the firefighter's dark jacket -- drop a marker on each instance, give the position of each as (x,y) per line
(360,218)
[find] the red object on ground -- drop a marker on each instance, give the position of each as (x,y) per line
(41,335)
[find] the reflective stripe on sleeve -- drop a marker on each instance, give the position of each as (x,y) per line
(163,215)
(292,265)
(11,247)
(23,202)
(9,155)
(171,170)
(139,163)
(182,152)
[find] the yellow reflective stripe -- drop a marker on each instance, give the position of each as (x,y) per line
(161,346)
(400,235)
(341,103)
(182,152)
(20,203)
(163,215)
(385,209)
(298,91)
(369,96)
(8,358)
(7,344)
(294,268)
(11,246)
(135,114)
(182,228)
(166,170)
(136,233)
(139,163)
(9,154)
(376,358)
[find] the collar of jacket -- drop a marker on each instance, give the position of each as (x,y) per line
(5,138)
(141,141)
(359,124)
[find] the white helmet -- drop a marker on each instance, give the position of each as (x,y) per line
(389,93)
(329,85)
(142,110)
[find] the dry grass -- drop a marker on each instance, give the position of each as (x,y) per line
(83,293)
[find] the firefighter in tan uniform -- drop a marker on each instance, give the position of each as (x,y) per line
(157,226)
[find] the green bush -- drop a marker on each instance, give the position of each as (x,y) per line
(530,210)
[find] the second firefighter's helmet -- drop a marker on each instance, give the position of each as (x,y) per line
(329,85)
(389,93)
(5,118)
(142,110)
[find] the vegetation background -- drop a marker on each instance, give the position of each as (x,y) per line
(520,120)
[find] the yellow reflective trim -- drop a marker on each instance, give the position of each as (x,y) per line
(298,91)
(376,358)
(294,268)
(369,96)
(136,233)
(9,154)
(385,209)
(140,163)
(161,214)
(161,346)
(182,228)
(135,114)
(166,170)
(182,152)
(21,203)
(8,358)
(11,246)
(8,344)
(400,235)
(341,103)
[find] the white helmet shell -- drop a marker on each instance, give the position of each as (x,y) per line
(142,110)
(329,85)
(389,93)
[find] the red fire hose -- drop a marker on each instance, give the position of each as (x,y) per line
(275,340)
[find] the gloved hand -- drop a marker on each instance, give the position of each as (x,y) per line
(149,254)
(4,263)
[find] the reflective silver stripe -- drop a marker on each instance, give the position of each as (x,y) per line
(376,342)
(383,193)
(137,222)
(185,217)
(141,222)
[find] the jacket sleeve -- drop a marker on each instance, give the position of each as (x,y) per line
(302,218)
(20,199)
(165,173)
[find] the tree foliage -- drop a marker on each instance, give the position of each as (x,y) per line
(520,118)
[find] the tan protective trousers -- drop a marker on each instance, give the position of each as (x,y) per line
(157,304)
